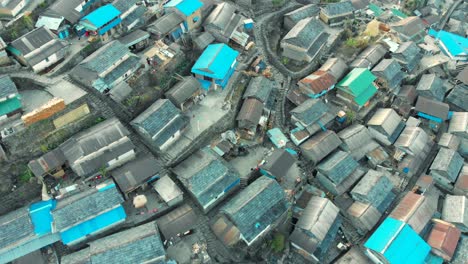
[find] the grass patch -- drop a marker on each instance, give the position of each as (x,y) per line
(26,175)
(277,244)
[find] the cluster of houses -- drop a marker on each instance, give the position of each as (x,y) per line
(359,132)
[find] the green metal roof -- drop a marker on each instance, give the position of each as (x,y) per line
(10,105)
(398,13)
(366,95)
(376,9)
(357,81)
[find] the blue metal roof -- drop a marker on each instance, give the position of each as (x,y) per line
(186,7)
(41,216)
(102,15)
(398,243)
(215,61)
(455,44)
(277,137)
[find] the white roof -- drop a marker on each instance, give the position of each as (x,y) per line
(52,23)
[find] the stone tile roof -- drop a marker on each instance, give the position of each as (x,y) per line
(305,33)
(33,40)
(260,88)
(310,111)
(459,97)
(336,9)
(183,90)
(7,87)
(338,166)
(135,173)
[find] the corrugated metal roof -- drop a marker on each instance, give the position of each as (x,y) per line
(444,239)
(135,173)
(462,181)
(335,66)
(357,81)
(251,111)
(459,96)
(215,61)
(455,210)
(178,221)
(357,140)
(447,163)
(373,188)
(320,145)
(186,7)
(167,189)
(365,214)
(431,86)
(317,82)
(412,140)
(102,15)
(385,118)
(279,163)
(338,166)
(459,123)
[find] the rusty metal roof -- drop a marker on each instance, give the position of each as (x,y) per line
(444,239)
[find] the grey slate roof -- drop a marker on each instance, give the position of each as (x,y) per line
(373,188)
(306,33)
(165,24)
(66,8)
(7,86)
(80,207)
(259,88)
(47,162)
(135,173)
(357,140)
(304,12)
(256,207)
(459,97)
(279,163)
(124,5)
(251,111)
(183,90)
(338,166)
(369,56)
(141,244)
(431,86)
(161,121)
(310,111)
(223,18)
(205,176)
(33,40)
(408,54)
(56,46)
(336,9)
(178,221)
(16,227)
(315,223)
(84,150)
(202,41)
(390,71)
(432,107)
(320,145)
(134,37)
(448,163)
(136,15)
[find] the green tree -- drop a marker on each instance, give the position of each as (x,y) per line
(26,175)
(278,243)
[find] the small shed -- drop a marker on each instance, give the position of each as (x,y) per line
(446,167)
(364,216)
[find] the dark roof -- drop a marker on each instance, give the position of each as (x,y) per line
(257,207)
(80,207)
(178,221)
(463,75)
(320,145)
(66,8)
(33,40)
(459,97)
(340,8)
(408,93)
(360,4)
(354,256)
(369,56)
(161,121)
(430,85)
(306,33)
(7,86)
(259,88)
(310,111)
(279,163)
(56,46)
(407,50)
(134,37)
(141,244)
(296,96)
(105,57)
(15,227)
(47,162)
(205,176)
(165,24)
(338,166)
(390,71)
(303,12)
(432,107)
(251,111)
(183,90)
(203,40)
(409,26)
(133,174)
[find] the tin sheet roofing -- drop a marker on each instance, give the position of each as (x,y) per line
(102,15)
(215,61)
(186,7)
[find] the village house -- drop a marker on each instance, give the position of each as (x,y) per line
(138,244)
(10,100)
(105,68)
(410,29)
(443,239)
(90,212)
(459,124)
(455,211)
(319,146)
(363,216)
(177,222)
(374,188)
(71,10)
(305,41)
(338,172)
(207,178)
(412,140)
(101,23)
(277,137)
(185,93)
(357,88)
(451,44)
(136,41)
(26,230)
(104,146)
(386,126)
(458,97)
(446,167)
(161,124)
(39,49)
(293,17)
(337,67)
(416,210)
(12,8)
(252,213)
(311,117)
(335,14)
(369,57)
(4,59)
(357,140)
(431,86)
(378,157)
(215,66)
(203,40)
(389,75)
(168,190)
(316,229)
(131,14)
(260,88)
(136,174)
(408,55)
(249,117)
(51,163)
(354,255)
(461,186)
(395,242)
(449,141)
(277,165)
(432,110)
(167,27)
(317,84)
(226,25)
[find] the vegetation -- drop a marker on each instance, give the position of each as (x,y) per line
(26,175)
(103,171)
(44,148)
(277,2)
(285,61)
(358,42)
(350,116)
(330,1)
(277,244)
(18,28)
